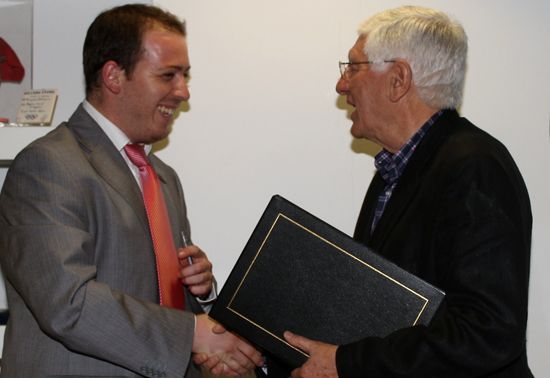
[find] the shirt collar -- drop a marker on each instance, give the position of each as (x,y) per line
(391,166)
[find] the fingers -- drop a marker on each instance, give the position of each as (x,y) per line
(238,363)
(218,329)
(197,276)
(203,359)
(299,342)
(322,357)
(296,373)
(199,285)
(200,358)
(218,366)
(212,363)
(216,347)
(251,353)
(215,364)
(192,251)
(241,357)
(225,370)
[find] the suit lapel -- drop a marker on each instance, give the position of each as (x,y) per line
(366,215)
(409,183)
(107,161)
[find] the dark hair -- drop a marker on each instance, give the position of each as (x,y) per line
(116,34)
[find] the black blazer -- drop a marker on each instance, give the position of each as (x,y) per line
(459,218)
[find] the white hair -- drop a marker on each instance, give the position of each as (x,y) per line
(435,47)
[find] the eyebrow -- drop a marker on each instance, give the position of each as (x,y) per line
(175,67)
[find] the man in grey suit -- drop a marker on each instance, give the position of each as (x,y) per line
(75,245)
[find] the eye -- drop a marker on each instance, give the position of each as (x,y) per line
(168,76)
(353,67)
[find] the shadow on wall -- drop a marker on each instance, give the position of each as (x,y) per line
(162,144)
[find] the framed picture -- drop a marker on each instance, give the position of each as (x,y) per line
(4,165)
(15,55)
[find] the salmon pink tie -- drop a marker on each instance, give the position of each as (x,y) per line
(170,288)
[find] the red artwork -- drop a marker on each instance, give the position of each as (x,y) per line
(11,68)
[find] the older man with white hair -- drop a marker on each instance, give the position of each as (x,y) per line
(447,203)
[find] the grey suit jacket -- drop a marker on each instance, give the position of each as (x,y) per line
(77,256)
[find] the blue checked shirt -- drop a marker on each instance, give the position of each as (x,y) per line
(391,166)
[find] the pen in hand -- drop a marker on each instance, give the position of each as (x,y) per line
(184,240)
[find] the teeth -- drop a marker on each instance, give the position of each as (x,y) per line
(166,111)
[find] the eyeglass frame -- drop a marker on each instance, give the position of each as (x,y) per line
(344,66)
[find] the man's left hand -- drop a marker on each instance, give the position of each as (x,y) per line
(198,275)
(322,357)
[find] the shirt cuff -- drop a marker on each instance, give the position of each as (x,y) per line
(206,303)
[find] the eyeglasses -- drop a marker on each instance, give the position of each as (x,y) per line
(345,67)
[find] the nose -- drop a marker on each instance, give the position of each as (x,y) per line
(181,89)
(342,85)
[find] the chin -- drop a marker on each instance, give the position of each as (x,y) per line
(355,132)
(161,133)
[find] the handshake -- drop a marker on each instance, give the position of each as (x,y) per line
(221,351)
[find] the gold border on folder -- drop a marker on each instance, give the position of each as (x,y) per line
(280,215)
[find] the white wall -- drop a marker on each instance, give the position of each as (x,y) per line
(264,117)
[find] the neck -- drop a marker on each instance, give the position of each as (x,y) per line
(105,107)
(407,119)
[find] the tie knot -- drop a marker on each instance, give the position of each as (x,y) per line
(136,154)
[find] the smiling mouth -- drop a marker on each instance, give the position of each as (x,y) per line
(165,111)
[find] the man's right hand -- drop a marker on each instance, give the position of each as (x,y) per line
(221,351)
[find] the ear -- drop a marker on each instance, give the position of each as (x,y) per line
(400,80)
(112,76)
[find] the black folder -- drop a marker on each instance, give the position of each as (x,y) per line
(300,274)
